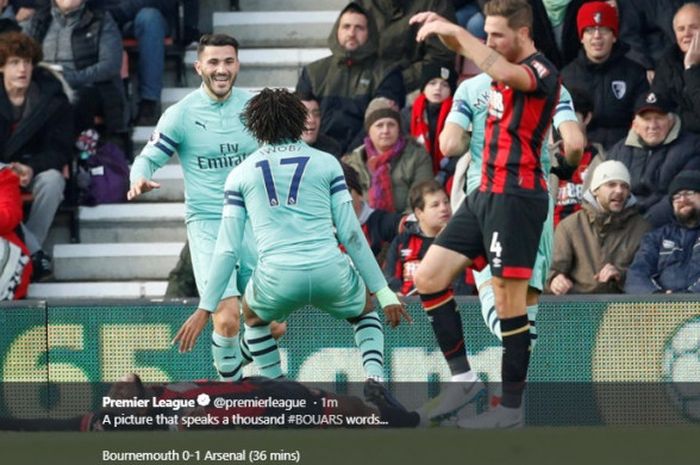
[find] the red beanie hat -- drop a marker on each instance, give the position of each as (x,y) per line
(597,14)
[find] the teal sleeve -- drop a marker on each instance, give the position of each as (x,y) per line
(351,236)
(161,146)
(565,108)
(226,254)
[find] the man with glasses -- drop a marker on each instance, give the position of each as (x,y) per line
(668,259)
(602,70)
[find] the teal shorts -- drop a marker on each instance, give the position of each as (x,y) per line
(336,288)
(202,235)
(540,270)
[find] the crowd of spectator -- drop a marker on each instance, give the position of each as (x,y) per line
(379,103)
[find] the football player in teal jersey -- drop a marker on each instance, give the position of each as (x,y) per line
(299,207)
(205,130)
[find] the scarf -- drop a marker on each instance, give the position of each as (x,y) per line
(420,129)
(556,9)
(381,194)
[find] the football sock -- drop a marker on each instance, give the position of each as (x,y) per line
(447,326)
(516,358)
(369,338)
(263,348)
(227,356)
(532,316)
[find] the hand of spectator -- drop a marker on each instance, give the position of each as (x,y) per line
(25,173)
(190,330)
(394,313)
(607,273)
(24,14)
(692,56)
(141,187)
(3,4)
(560,285)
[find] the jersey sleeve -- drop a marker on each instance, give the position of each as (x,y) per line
(461,112)
(228,245)
(564,110)
(544,75)
(161,146)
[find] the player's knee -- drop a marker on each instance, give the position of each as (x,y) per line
(227,326)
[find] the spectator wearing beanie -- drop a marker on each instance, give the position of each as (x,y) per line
(668,260)
(388,163)
(655,150)
(594,246)
(613,81)
(431,108)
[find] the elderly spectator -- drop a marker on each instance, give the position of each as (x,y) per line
(397,43)
(15,265)
(87,45)
(594,246)
(677,77)
(312,135)
(613,81)
(668,260)
(388,163)
(345,82)
(36,128)
(655,151)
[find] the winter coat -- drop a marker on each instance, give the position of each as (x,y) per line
(681,86)
(614,87)
(588,239)
(344,84)
(10,219)
(653,168)
(397,43)
(413,166)
(43,139)
(668,259)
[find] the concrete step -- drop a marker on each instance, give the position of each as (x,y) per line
(132,222)
(291,5)
(268,67)
(277,28)
(115,261)
(99,290)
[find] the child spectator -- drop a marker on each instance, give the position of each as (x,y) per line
(430,111)
(432,210)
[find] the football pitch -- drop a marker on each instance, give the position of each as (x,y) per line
(535,445)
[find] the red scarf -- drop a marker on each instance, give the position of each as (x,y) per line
(420,127)
(381,194)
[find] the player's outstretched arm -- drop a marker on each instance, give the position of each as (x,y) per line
(141,186)
(461,41)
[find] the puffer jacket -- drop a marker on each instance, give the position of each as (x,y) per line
(653,168)
(588,239)
(344,84)
(668,260)
(413,166)
(614,87)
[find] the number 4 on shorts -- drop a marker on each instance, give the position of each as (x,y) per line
(495,246)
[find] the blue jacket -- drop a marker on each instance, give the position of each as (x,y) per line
(667,259)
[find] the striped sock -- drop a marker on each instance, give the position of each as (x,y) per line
(263,348)
(447,326)
(369,338)
(488,310)
(247,357)
(532,316)
(227,356)
(516,358)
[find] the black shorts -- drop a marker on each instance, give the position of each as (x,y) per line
(499,230)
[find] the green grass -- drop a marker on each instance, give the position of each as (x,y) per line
(541,446)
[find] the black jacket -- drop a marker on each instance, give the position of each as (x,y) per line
(124,11)
(680,86)
(43,139)
(653,168)
(614,86)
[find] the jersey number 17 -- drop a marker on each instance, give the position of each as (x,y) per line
(293,196)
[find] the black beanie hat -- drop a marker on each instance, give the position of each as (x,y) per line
(685,180)
(433,70)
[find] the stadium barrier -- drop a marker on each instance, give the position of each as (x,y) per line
(584,344)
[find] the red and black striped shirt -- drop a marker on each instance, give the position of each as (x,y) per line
(516,127)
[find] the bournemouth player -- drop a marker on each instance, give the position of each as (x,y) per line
(499,224)
(294,197)
(205,130)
